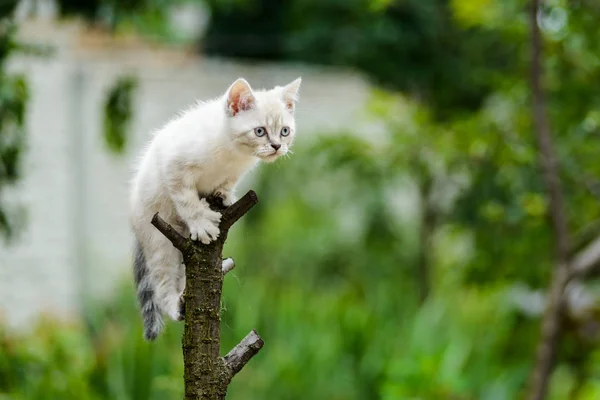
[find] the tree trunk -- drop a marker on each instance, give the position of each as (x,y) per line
(553,316)
(206,373)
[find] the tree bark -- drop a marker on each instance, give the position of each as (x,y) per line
(207,374)
(553,316)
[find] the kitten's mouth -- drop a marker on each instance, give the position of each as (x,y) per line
(270,157)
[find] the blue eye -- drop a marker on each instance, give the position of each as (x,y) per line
(260,131)
(285,131)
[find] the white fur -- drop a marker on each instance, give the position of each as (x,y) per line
(205,150)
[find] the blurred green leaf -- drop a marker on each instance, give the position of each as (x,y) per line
(118,111)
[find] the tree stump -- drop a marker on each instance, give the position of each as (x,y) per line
(206,374)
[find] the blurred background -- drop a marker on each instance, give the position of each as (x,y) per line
(403,252)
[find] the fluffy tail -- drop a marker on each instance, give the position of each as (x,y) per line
(153,322)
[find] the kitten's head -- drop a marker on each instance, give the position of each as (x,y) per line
(262,122)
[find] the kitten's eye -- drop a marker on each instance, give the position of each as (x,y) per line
(285,131)
(260,131)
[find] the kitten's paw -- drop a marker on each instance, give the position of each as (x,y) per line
(226,198)
(205,229)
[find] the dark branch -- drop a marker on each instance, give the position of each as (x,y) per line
(583,237)
(553,317)
(243,352)
(548,160)
(587,261)
(234,212)
(230,216)
(170,233)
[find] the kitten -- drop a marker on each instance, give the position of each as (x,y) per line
(205,150)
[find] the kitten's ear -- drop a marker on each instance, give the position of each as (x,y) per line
(290,94)
(239,97)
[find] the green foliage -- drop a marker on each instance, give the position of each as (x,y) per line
(237,28)
(333,297)
(118,111)
(109,10)
(148,17)
(329,262)
(108,360)
(7,7)
(13,100)
(413,46)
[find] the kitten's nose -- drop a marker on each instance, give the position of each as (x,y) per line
(275,146)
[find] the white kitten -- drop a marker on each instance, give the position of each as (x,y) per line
(205,150)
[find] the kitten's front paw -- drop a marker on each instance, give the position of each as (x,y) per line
(205,229)
(226,198)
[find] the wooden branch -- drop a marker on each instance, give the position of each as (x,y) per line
(553,316)
(583,237)
(551,330)
(587,261)
(243,352)
(238,209)
(206,373)
(548,159)
(170,233)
